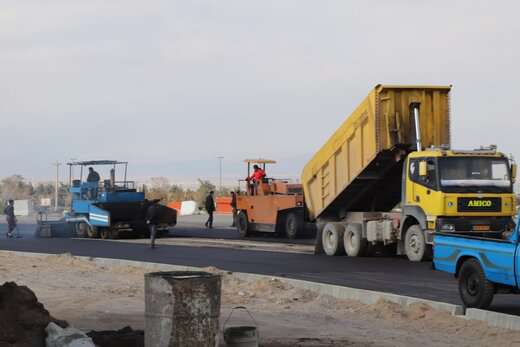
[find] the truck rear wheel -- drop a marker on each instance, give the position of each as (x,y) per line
(475,290)
(355,245)
(332,239)
(243,224)
(415,244)
(293,225)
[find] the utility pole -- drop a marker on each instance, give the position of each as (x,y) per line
(57,164)
(71,170)
(220,158)
(72,160)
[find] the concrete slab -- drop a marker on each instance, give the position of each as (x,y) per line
(495,319)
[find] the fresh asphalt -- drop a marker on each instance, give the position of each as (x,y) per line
(387,274)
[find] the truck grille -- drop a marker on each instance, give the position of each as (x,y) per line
(479,204)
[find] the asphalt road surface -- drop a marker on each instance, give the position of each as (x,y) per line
(388,274)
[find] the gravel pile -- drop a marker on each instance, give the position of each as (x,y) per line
(22,318)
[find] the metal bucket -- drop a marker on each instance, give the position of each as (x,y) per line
(182,308)
(241,336)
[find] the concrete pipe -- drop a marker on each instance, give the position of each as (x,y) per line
(182,308)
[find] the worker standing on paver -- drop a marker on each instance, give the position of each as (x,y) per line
(233,205)
(255,179)
(93,178)
(151,220)
(210,208)
(11,218)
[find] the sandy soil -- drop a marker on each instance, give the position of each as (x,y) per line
(96,297)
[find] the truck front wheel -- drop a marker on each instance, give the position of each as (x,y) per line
(332,239)
(415,244)
(475,290)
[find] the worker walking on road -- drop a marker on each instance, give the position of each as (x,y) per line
(11,218)
(151,219)
(233,205)
(210,208)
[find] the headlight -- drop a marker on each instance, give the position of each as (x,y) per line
(450,204)
(448,227)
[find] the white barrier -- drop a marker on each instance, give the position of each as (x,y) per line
(188,208)
(23,207)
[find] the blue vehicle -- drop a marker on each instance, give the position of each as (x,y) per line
(109,208)
(483,266)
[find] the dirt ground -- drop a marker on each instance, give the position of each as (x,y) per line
(96,297)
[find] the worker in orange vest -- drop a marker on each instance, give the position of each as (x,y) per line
(255,179)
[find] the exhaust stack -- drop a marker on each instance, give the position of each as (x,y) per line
(415,107)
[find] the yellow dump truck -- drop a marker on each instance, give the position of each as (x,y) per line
(387,179)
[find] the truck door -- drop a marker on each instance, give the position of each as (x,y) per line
(418,192)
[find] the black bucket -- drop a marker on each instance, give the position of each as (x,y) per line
(243,335)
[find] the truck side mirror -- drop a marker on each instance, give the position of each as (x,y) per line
(423,168)
(514,168)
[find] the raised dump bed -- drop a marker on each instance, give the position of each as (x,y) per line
(360,167)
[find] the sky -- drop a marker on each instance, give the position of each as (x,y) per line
(170,85)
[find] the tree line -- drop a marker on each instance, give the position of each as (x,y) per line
(16,187)
(161,188)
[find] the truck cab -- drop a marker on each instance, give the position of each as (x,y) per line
(455,191)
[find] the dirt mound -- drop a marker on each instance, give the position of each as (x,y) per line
(22,318)
(125,337)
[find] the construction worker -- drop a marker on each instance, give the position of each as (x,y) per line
(11,218)
(255,179)
(233,205)
(210,208)
(152,219)
(93,178)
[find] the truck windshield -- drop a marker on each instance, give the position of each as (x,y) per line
(465,174)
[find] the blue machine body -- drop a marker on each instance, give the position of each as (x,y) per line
(98,216)
(110,203)
(498,257)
